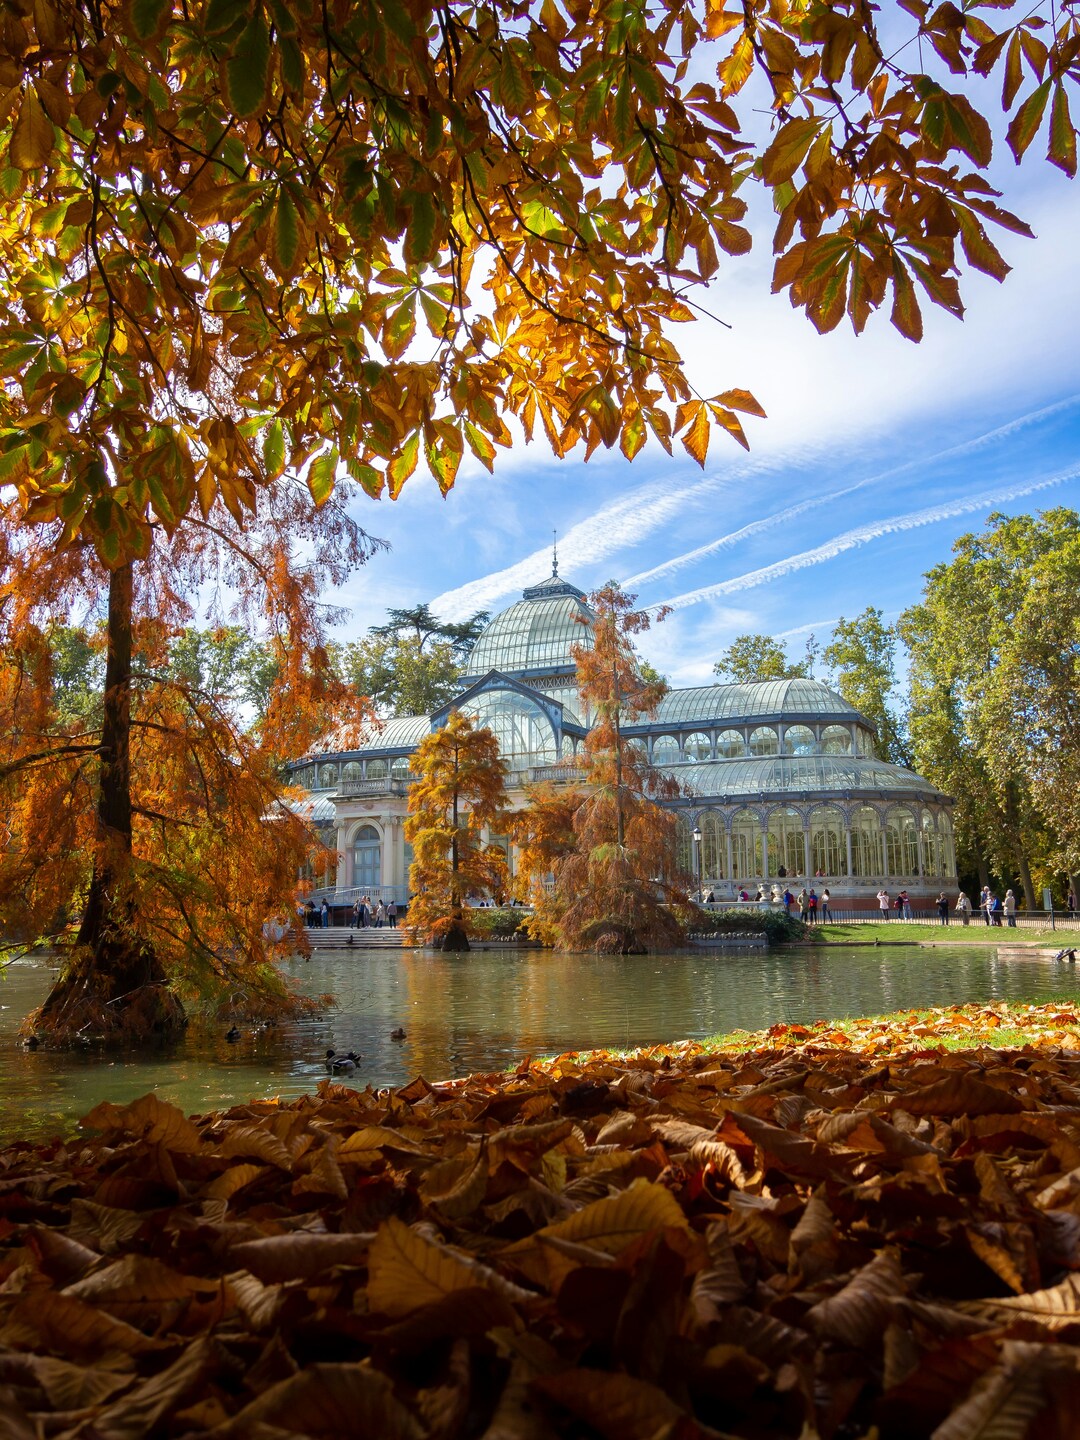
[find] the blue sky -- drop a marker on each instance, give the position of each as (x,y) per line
(876,455)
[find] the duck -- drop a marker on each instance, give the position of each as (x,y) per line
(341,1064)
(232,1035)
(398,1034)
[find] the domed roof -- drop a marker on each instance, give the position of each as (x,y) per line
(762,699)
(853,776)
(537,632)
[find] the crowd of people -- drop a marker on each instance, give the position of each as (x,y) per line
(362,913)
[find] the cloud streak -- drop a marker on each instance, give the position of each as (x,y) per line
(862,535)
(767,522)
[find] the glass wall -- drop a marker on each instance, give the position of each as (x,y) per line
(713,847)
(327,777)
(931,849)
(697,747)
(367,858)
(836,740)
(730,745)
(399,768)
(376,770)
(665,750)
(948,850)
(828,849)
(901,844)
(352,771)
(799,740)
(786,848)
(763,741)
(524,732)
(745,846)
(867,848)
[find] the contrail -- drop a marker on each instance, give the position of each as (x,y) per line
(725,542)
(862,535)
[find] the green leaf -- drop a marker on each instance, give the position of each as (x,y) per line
(366,476)
(400,328)
(292,64)
(286,231)
(273,449)
(403,465)
(148,16)
(222,15)
(247,70)
(420,235)
(322,474)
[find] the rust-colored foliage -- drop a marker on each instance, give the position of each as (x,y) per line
(805,1238)
(544,836)
(211,855)
(458,795)
(618,889)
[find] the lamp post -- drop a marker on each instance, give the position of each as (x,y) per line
(696,837)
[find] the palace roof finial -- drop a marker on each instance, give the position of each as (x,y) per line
(554,554)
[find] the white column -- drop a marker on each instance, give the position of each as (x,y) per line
(847,838)
(806,850)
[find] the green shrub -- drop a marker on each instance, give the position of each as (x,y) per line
(777,926)
(505,924)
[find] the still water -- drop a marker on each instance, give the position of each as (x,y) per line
(487,1010)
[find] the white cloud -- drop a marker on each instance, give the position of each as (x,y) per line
(862,535)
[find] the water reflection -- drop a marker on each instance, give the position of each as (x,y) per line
(486,1011)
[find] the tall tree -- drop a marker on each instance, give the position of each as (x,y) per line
(225,225)
(981,644)
(758,657)
(544,836)
(459,793)
(619,888)
(419,624)
(862,659)
(399,674)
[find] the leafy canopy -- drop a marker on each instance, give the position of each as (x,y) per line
(243,237)
(757,657)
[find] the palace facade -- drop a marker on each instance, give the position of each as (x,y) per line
(778,780)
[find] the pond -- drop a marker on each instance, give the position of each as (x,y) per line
(487,1010)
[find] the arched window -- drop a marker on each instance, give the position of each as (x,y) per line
(399,768)
(786,848)
(327,777)
(901,844)
(948,849)
(713,847)
(745,846)
(799,740)
(828,852)
(836,740)
(376,770)
(864,741)
(730,745)
(867,849)
(930,848)
(567,747)
(352,771)
(367,858)
(525,734)
(697,747)
(665,750)
(763,741)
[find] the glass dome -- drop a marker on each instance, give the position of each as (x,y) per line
(523,730)
(537,632)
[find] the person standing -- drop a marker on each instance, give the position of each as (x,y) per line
(943,908)
(811,906)
(825,897)
(883,903)
(325,913)
(985,904)
(963,908)
(1070,902)
(1010,909)
(906,904)
(995,910)
(365,913)
(804,904)
(355,913)
(391,914)
(380,915)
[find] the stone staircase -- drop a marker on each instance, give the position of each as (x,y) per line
(340,937)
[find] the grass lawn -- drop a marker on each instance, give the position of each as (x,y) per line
(898,932)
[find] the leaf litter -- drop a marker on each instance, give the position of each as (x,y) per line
(818,1235)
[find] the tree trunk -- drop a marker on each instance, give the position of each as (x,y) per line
(1024,871)
(114,987)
